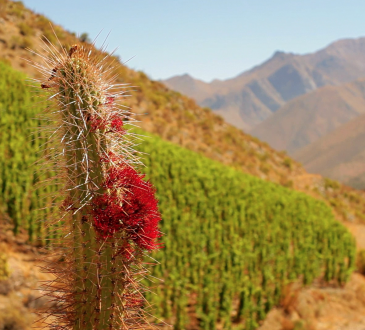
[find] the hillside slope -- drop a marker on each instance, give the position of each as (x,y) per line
(307,118)
(178,119)
(339,155)
(251,97)
(227,234)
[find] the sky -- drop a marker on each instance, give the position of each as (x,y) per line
(208,39)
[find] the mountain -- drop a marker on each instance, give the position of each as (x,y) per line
(306,118)
(187,85)
(339,155)
(253,96)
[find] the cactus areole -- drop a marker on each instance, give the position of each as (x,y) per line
(109,212)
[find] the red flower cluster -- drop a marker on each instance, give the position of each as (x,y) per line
(130,206)
(97,122)
(110,100)
(114,124)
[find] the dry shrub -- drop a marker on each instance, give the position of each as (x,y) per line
(25,29)
(4,267)
(289,297)
(12,320)
(287,324)
(16,8)
(20,42)
(299,325)
(34,302)
(13,316)
(5,287)
(5,60)
(360,262)
(3,8)
(44,24)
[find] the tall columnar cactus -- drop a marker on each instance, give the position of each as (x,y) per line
(109,213)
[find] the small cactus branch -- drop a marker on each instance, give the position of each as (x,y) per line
(109,212)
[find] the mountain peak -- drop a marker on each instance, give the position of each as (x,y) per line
(279,53)
(185,77)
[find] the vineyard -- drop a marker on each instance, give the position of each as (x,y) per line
(232,242)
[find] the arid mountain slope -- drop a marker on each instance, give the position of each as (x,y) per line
(305,119)
(187,85)
(164,112)
(339,155)
(251,97)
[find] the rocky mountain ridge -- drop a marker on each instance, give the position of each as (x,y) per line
(339,154)
(292,101)
(253,96)
(307,118)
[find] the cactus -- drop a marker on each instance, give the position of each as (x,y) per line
(109,212)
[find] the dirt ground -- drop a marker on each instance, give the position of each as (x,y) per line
(324,308)
(19,296)
(358,230)
(321,308)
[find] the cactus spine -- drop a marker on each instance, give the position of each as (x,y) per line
(109,213)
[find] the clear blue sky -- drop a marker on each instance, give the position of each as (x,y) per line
(207,38)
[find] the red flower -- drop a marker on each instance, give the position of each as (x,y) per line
(110,100)
(130,205)
(97,122)
(116,124)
